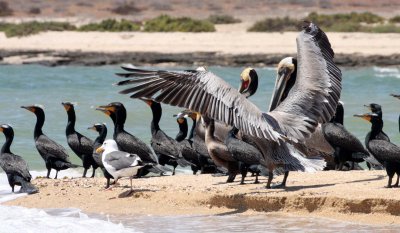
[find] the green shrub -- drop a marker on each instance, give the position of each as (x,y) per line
(330,20)
(223,19)
(111,25)
(395,19)
(384,28)
(274,25)
(34,27)
(165,23)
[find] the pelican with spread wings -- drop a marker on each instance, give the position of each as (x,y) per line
(311,100)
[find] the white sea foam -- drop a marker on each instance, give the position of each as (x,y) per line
(383,72)
(20,219)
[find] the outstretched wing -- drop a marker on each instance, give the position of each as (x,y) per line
(200,91)
(315,94)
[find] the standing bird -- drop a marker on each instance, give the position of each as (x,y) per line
(15,166)
(219,151)
(347,146)
(102,130)
(126,141)
(166,148)
(186,145)
(311,100)
(54,155)
(79,144)
(387,153)
(118,163)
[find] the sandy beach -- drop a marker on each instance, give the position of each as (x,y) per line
(357,196)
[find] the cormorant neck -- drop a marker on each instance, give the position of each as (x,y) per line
(192,130)
(102,135)
(71,122)
(376,128)
(157,112)
(233,132)
(339,115)
(7,144)
(120,119)
(183,129)
(39,124)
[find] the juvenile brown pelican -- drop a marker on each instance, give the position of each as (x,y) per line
(311,100)
(219,151)
(166,148)
(101,128)
(126,141)
(15,166)
(54,155)
(82,146)
(387,153)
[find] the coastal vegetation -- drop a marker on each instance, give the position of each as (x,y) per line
(351,22)
(166,23)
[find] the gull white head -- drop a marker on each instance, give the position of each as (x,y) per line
(109,145)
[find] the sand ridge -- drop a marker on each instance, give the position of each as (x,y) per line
(357,196)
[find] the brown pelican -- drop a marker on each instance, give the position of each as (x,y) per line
(311,100)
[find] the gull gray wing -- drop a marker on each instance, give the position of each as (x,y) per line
(200,91)
(120,159)
(315,94)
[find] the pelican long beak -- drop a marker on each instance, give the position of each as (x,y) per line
(243,88)
(280,85)
(100,150)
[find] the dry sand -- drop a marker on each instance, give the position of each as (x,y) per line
(225,41)
(357,196)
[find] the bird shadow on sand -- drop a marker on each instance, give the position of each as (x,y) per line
(290,188)
(378,177)
(135,193)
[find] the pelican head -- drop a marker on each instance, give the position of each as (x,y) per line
(286,68)
(248,82)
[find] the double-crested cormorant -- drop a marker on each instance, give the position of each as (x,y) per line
(118,163)
(347,146)
(186,145)
(79,144)
(387,153)
(219,151)
(54,155)
(14,166)
(101,128)
(126,141)
(166,148)
(311,100)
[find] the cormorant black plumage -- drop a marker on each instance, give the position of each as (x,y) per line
(54,155)
(387,153)
(166,148)
(98,142)
(15,166)
(79,144)
(347,146)
(187,150)
(126,141)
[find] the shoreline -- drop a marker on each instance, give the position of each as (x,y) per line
(357,197)
(85,58)
(229,46)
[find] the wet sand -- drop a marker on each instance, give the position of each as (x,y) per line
(357,196)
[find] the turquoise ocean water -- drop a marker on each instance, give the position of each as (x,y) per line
(91,86)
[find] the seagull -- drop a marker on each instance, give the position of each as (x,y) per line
(119,163)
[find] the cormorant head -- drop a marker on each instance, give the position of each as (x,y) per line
(36,109)
(6,129)
(286,68)
(374,107)
(112,107)
(98,127)
(181,120)
(155,106)
(248,82)
(192,114)
(68,106)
